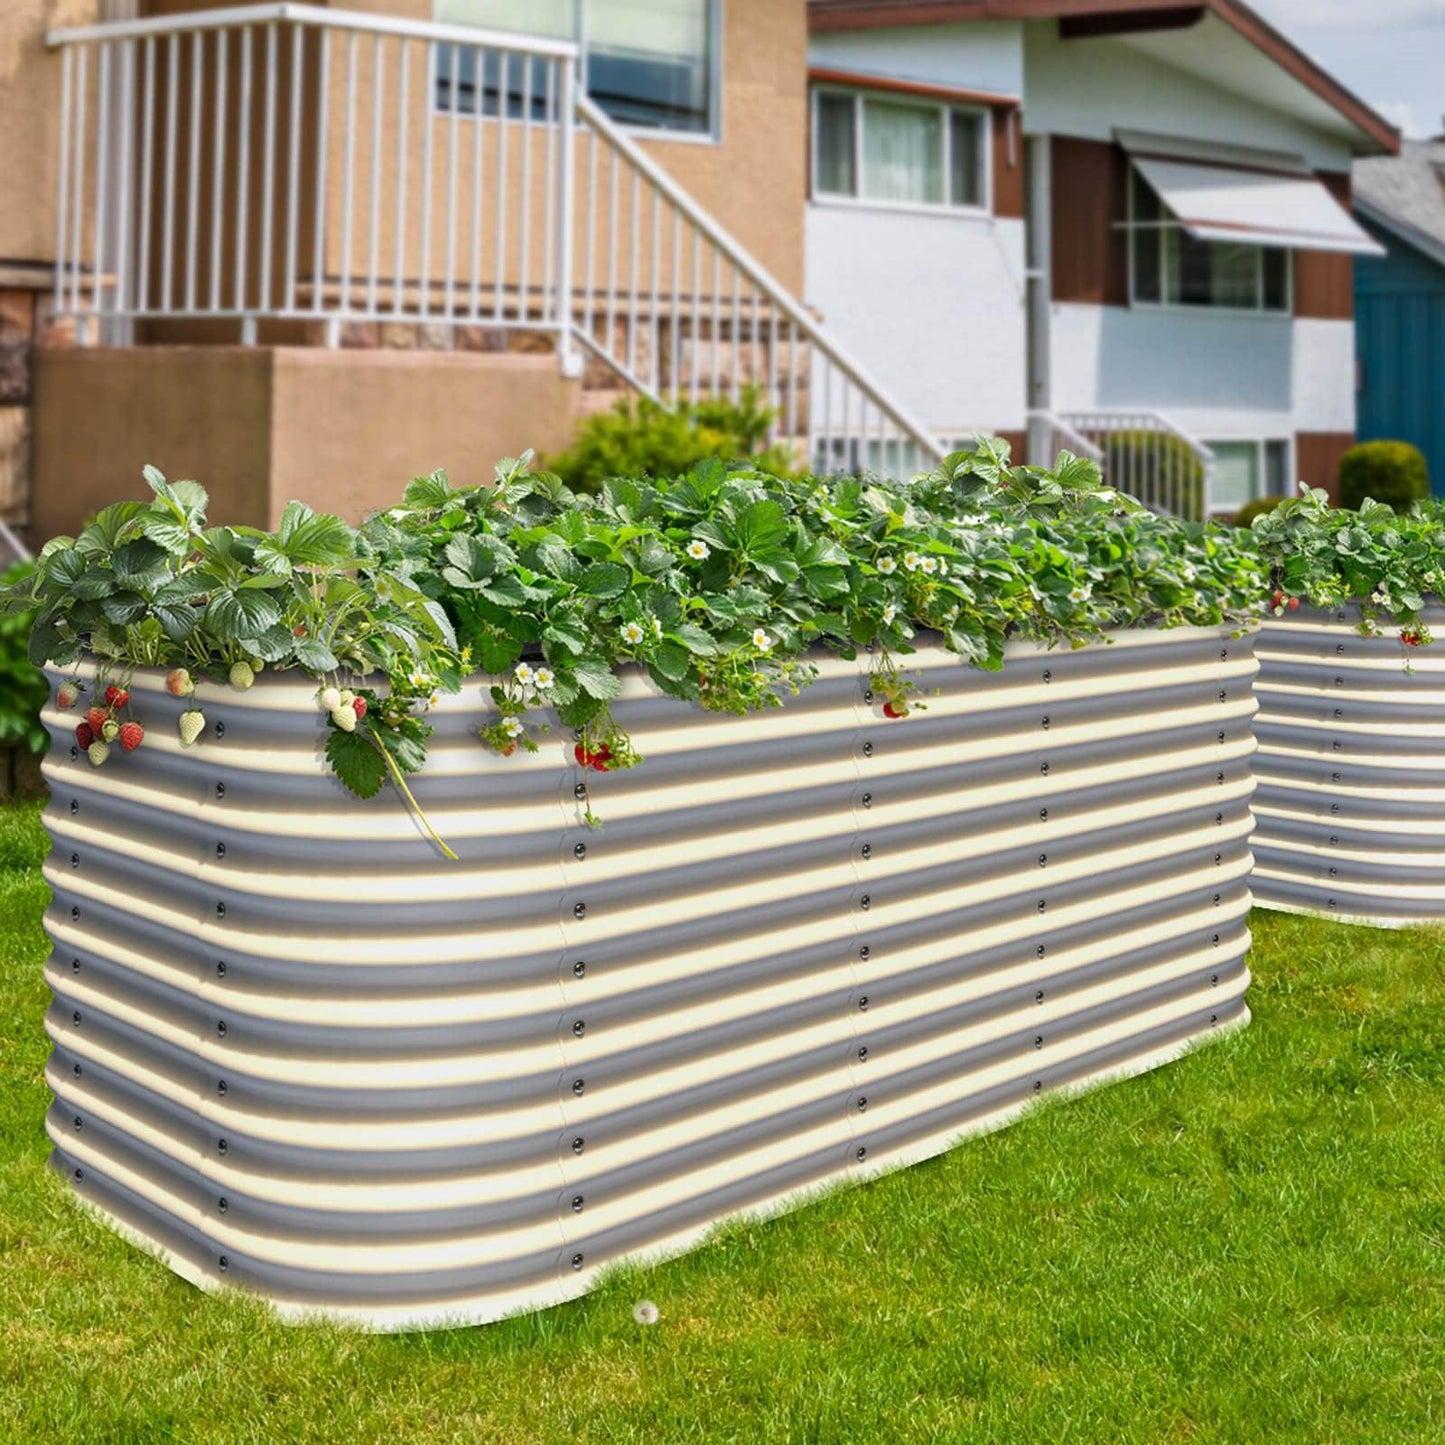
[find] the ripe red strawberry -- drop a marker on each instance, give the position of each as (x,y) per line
(1276,598)
(583,756)
(1293,604)
(359,707)
(84,735)
(1411,638)
(890,710)
(67,695)
(116,696)
(97,717)
(602,759)
(130,736)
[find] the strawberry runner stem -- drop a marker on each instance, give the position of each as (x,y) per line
(416,807)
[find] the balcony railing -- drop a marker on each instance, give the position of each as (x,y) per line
(282,172)
(1147,456)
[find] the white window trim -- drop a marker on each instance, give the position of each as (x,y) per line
(1216,439)
(712,136)
(859,93)
(1180,308)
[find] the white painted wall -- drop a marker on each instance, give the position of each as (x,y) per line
(1214,375)
(979,55)
(1090,88)
(932,306)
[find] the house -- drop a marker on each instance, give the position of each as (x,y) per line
(1117,222)
(1400,301)
(301,249)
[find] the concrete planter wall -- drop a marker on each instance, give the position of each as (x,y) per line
(1351,769)
(297,1051)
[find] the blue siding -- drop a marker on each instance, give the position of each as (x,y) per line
(1400,343)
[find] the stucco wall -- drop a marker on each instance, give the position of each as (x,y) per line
(342,430)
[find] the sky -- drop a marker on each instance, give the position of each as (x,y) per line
(1391,53)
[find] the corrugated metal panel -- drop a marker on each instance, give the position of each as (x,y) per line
(299,1052)
(1351,769)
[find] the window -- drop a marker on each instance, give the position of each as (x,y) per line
(647,63)
(1244,470)
(898,152)
(1168,267)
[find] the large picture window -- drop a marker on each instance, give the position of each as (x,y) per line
(1168,267)
(1244,470)
(647,63)
(895,151)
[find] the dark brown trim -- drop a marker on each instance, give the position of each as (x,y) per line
(1092,27)
(1324,281)
(1317,458)
(1089,194)
(822,75)
(1008,164)
(824,15)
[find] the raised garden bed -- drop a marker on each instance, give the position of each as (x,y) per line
(298,1051)
(1351,768)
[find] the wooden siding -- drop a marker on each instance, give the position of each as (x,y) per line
(1090,198)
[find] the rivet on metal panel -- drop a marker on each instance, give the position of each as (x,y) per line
(579,851)
(579,969)
(79,1122)
(579,1028)
(1042,905)
(865,952)
(1334,807)
(223,1263)
(1043,860)
(576,1261)
(1048,676)
(580,791)
(1038,1041)
(1339,682)
(223,1204)
(75,1019)
(221,1027)
(1219,777)
(865,903)
(1217,898)
(75,965)
(1223,696)
(74,754)
(77,1071)
(862,1105)
(220,910)
(861,1154)
(1046,722)
(1224,654)
(577,734)
(221,1086)
(1337,745)
(75,860)
(1329,903)
(1221,736)
(578,1144)
(1038,1085)
(80,1176)
(579,910)
(74,806)
(1339,647)
(220,970)
(75,914)
(1214,1018)
(1219,857)
(1039,996)
(1040,950)
(867,750)
(867,800)
(577,1202)
(220,730)
(1334,840)
(220,850)
(1214,938)
(1219,817)
(579,1087)
(221,1146)
(1339,712)
(1043,815)
(1334,872)
(220,790)
(1044,769)
(1334,777)
(868,695)
(863,1003)
(1214,980)
(867,850)
(863,1055)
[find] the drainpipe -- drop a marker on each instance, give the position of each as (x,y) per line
(1039,242)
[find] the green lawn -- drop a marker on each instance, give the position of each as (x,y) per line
(1246,1246)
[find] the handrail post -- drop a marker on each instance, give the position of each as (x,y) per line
(569,357)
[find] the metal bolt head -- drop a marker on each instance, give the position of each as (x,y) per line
(578,1144)
(220,730)
(75,965)
(579,851)
(861,1155)
(577,1202)
(576,1261)
(220,970)
(74,806)
(580,791)
(579,969)
(863,1003)
(1038,1086)
(75,860)
(75,1019)
(867,850)
(1038,1041)
(221,1027)
(578,1029)
(220,790)
(224,1263)
(862,1104)
(79,1122)
(863,1055)
(220,850)
(867,750)
(221,1086)
(579,1087)
(221,1146)
(579,910)
(223,1204)
(1039,996)
(865,902)
(865,952)
(867,800)
(1043,770)
(220,910)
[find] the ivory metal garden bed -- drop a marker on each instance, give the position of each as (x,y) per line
(299,1052)
(1351,768)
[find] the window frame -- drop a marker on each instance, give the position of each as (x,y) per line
(1260,443)
(1132,228)
(944,108)
(711,135)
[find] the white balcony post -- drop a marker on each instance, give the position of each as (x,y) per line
(569,357)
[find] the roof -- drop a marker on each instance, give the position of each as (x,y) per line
(1405,194)
(1104,17)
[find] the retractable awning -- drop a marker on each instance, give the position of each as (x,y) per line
(1224,203)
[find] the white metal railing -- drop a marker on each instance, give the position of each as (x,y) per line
(1149,457)
(12,549)
(1048,435)
(267,166)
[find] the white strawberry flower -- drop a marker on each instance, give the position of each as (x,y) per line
(912,561)
(523,673)
(942,567)
(543,678)
(929,565)
(656,628)
(1082,594)
(632,633)
(889,613)
(512,727)
(698,550)
(887,566)
(761,640)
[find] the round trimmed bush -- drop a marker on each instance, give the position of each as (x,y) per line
(1245,516)
(1391,472)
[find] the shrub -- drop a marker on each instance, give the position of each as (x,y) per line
(1245,516)
(22,686)
(638,439)
(1389,472)
(1158,468)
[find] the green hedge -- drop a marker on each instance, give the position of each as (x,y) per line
(1391,472)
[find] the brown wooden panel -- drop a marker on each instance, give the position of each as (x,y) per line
(1091,252)
(1317,458)
(1324,281)
(1008,164)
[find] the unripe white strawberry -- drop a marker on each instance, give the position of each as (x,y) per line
(330,699)
(347,697)
(242,676)
(97,752)
(178,683)
(345,719)
(258,664)
(110,731)
(190,725)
